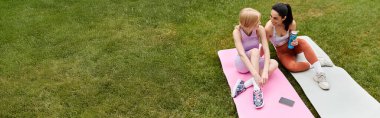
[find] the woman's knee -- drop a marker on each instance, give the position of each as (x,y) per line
(273,63)
(240,66)
(255,52)
(302,42)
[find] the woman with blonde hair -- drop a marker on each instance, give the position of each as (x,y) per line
(246,36)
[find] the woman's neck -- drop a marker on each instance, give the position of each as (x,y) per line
(248,32)
(281,26)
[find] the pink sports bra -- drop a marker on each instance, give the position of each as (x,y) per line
(249,42)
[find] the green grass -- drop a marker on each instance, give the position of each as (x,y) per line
(112,58)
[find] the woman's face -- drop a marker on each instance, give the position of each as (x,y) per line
(275,18)
(251,28)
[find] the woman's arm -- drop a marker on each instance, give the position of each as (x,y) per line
(264,43)
(239,47)
(293,27)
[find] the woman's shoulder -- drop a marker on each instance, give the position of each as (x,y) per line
(294,23)
(261,28)
(236,30)
(269,26)
(237,27)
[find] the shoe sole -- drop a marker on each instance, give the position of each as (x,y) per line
(259,107)
(233,91)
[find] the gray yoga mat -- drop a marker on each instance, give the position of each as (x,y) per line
(345,99)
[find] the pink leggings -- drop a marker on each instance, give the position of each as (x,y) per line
(240,66)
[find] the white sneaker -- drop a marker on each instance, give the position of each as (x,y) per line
(320,78)
(325,62)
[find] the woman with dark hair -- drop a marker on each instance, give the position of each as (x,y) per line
(277,29)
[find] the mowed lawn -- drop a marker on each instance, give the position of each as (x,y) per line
(156,58)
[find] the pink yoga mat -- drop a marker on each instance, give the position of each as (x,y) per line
(277,86)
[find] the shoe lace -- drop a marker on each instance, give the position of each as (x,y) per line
(240,87)
(321,77)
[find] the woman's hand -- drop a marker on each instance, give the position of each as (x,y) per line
(295,42)
(258,80)
(264,78)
